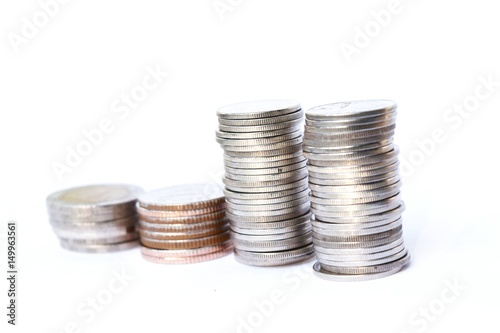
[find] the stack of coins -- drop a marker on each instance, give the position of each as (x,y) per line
(266,191)
(95,218)
(355,190)
(184,224)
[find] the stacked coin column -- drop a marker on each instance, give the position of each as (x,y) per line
(184,224)
(266,191)
(95,218)
(355,190)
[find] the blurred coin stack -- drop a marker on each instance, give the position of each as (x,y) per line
(184,224)
(355,190)
(266,191)
(95,218)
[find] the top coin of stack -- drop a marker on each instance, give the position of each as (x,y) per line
(266,181)
(184,224)
(355,190)
(95,218)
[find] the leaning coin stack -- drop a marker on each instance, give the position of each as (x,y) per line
(184,224)
(267,194)
(95,218)
(355,190)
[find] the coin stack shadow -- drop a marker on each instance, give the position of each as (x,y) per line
(184,224)
(355,190)
(265,182)
(95,218)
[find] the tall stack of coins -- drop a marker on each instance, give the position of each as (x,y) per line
(95,218)
(266,190)
(355,190)
(184,224)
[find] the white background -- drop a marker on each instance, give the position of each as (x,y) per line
(64,80)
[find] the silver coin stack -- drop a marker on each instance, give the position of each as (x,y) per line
(184,224)
(355,190)
(95,218)
(265,180)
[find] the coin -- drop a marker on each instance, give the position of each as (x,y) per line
(99,248)
(266,180)
(95,218)
(355,190)
(184,224)
(183,197)
(258,109)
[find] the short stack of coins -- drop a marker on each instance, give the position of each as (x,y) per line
(265,182)
(95,218)
(184,224)
(355,190)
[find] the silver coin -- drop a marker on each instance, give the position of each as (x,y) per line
(262,168)
(386,214)
(350,121)
(261,160)
(329,145)
(402,261)
(258,109)
(267,212)
(358,194)
(259,142)
(330,276)
(366,257)
(382,206)
(299,230)
(353,181)
(266,147)
(333,227)
(357,244)
(360,231)
(256,135)
(266,179)
(353,189)
(356,162)
(262,121)
(346,200)
(102,234)
(242,219)
(262,227)
(274,258)
(361,238)
(94,226)
(232,196)
(266,231)
(242,171)
(353,168)
(87,201)
(351,109)
(279,200)
(340,136)
(285,150)
(273,246)
(182,197)
(360,250)
(260,128)
(321,127)
(265,187)
(362,263)
(347,153)
(260,208)
(99,248)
